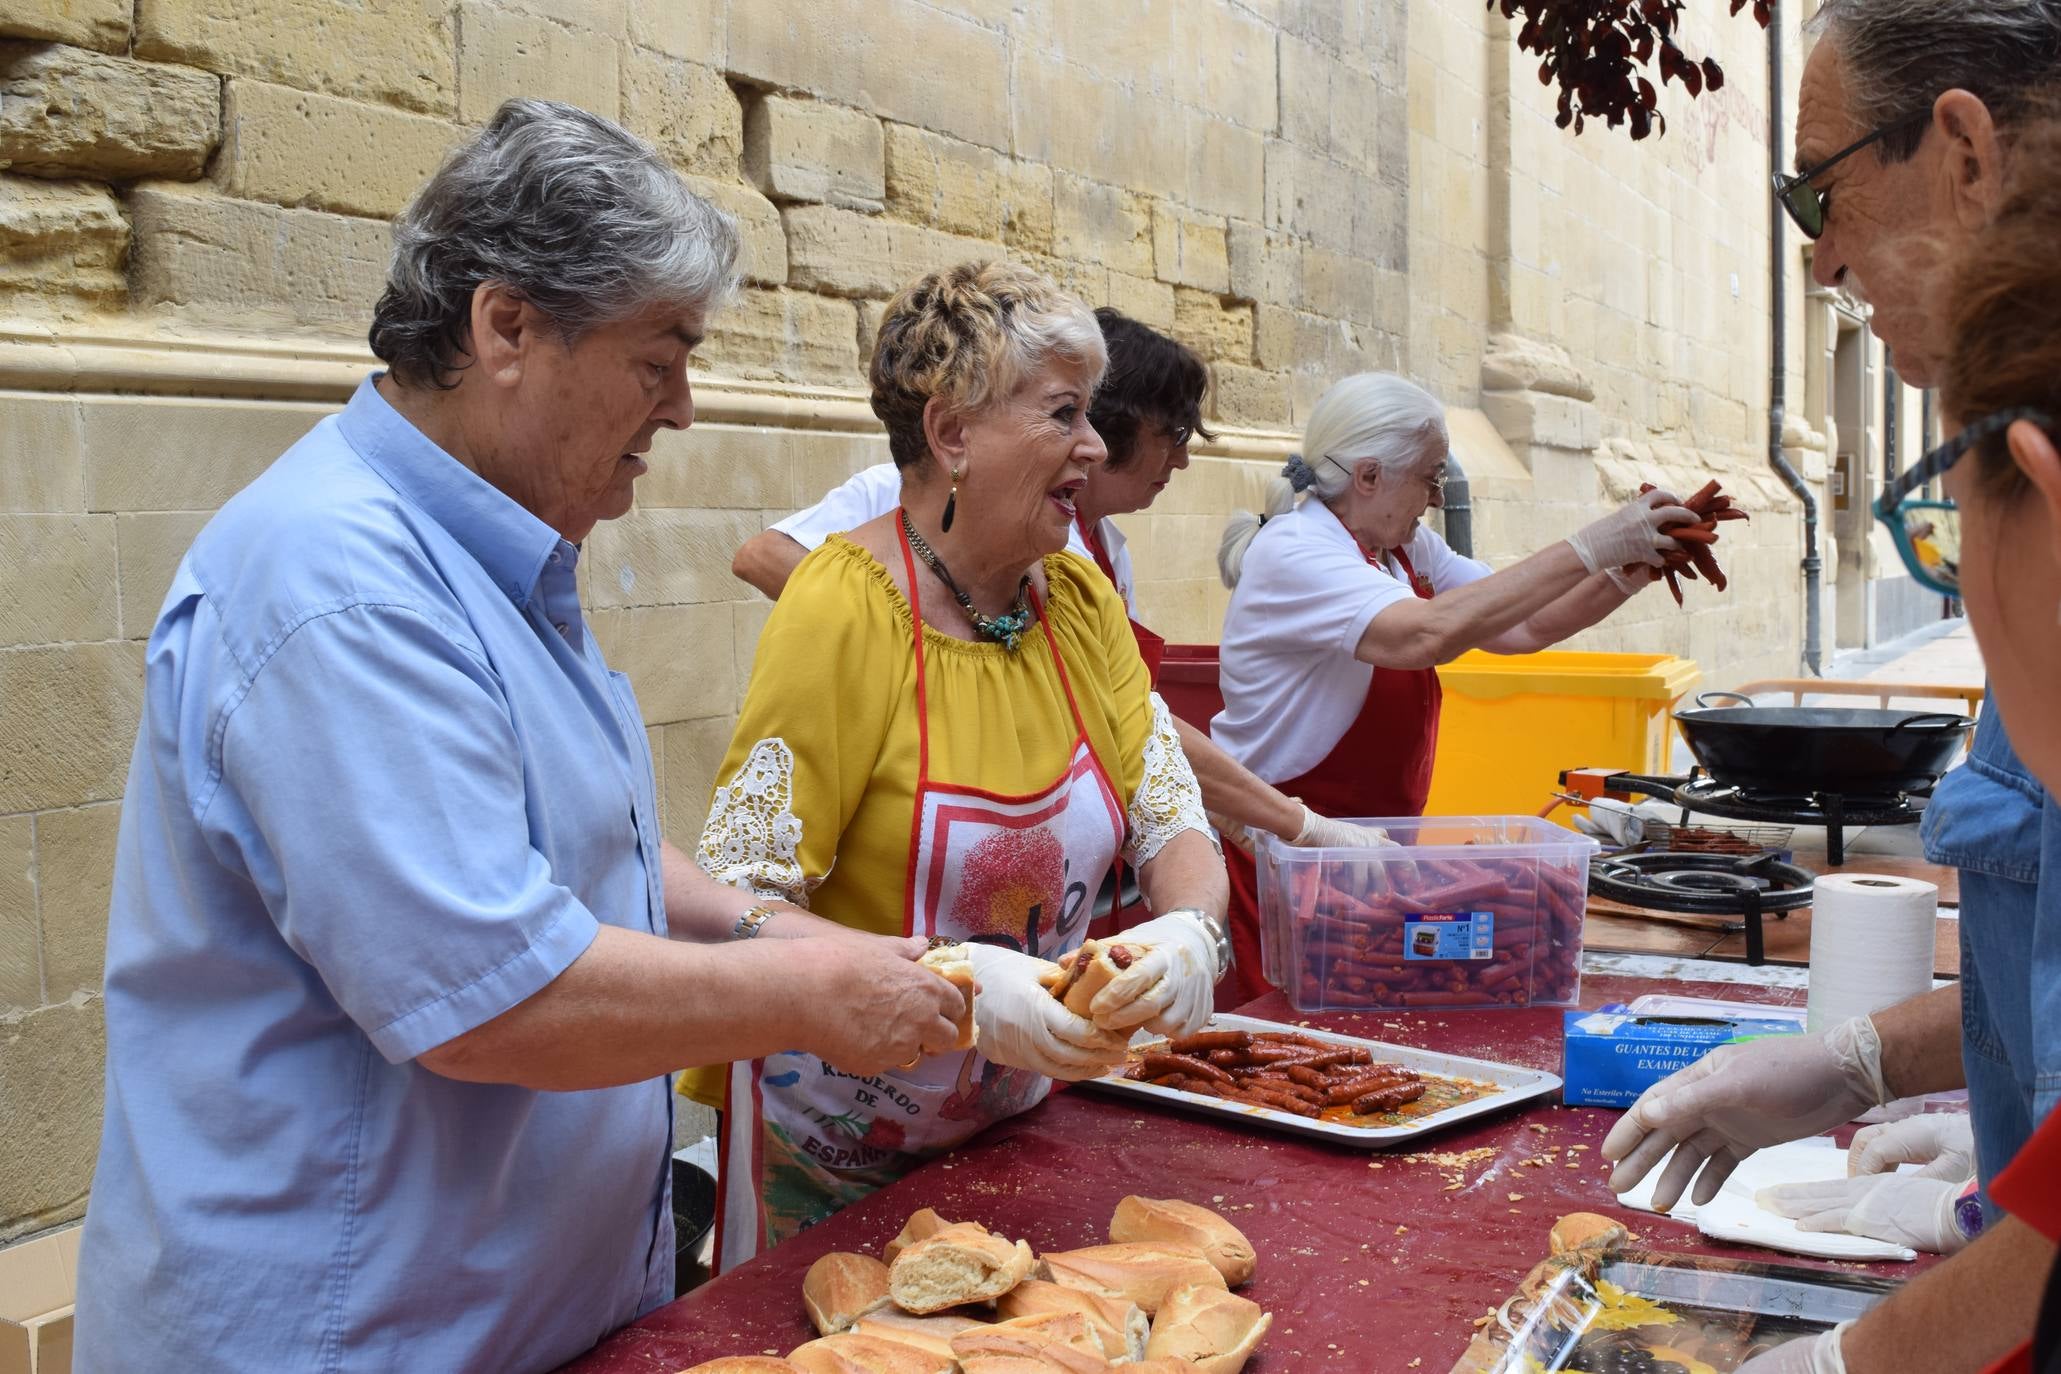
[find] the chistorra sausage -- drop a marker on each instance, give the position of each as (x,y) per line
(1156,1065)
(1204,1041)
(1387,1099)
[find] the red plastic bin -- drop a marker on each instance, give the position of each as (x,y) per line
(1188,683)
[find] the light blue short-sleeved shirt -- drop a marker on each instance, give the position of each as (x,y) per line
(384,789)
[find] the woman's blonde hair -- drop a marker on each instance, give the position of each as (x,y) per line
(1370,417)
(968,335)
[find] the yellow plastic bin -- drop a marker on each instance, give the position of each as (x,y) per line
(1512,725)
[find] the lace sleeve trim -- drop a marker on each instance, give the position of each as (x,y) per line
(1168,800)
(753,838)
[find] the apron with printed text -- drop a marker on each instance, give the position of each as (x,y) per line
(802,1139)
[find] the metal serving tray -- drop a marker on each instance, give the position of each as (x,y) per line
(1516,1085)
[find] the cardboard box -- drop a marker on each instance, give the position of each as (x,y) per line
(38,1279)
(1610,1056)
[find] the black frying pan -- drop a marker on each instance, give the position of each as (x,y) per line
(1799,750)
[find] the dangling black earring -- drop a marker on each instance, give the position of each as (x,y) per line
(951,504)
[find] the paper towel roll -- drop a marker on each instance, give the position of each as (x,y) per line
(1871,944)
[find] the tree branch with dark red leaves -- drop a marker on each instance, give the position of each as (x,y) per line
(1598,52)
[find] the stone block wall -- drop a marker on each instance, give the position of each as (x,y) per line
(193,207)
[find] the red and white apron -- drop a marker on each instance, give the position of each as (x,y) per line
(1019,871)
(1381,766)
(1151,647)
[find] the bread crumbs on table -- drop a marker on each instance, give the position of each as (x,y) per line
(1517,1197)
(1402,1230)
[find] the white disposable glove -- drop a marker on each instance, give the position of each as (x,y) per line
(1817,1354)
(1171,987)
(1629,584)
(1944,1142)
(1902,1209)
(1739,1098)
(1631,533)
(1024,1026)
(1322,832)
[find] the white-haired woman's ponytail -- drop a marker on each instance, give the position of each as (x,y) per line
(1295,478)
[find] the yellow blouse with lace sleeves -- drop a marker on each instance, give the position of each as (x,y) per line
(813,801)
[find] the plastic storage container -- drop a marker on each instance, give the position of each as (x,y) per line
(1511,725)
(1468,911)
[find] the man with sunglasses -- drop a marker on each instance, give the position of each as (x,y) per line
(1904,125)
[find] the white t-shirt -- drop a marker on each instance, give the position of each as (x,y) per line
(1292,686)
(873,492)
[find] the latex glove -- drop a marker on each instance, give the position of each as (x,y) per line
(1024,1026)
(1631,583)
(1322,832)
(1944,1142)
(1739,1098)
(1902,1209)
(1817,1354)
(1170,988)
(1631,533)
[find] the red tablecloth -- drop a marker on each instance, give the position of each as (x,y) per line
(1368,1261)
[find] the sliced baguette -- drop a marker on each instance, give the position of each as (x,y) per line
(921,1225)
(1213,1330)
(958,1265)
(1183,1223)
(743,1364)
(953,964)
(1118,1323)
(1143,1272)
(840,1288)
(1059,1340)
(850,1353)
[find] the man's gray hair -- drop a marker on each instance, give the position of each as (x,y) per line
(576,215)
(1901,55)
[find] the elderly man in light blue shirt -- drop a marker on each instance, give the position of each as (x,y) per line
(398,961)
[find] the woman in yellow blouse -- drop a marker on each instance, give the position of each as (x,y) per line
(950,732)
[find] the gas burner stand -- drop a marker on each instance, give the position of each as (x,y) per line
(1700,792)
(1706,885)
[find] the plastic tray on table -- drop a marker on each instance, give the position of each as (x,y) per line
(1461,912)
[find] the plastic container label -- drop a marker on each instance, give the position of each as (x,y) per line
(1447,935)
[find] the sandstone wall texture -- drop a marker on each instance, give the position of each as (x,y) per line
(193,196)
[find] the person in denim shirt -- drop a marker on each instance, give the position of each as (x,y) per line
(1993,821)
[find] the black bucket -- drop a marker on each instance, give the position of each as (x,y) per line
(694,1216)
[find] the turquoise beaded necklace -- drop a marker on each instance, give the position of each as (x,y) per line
(1006,629)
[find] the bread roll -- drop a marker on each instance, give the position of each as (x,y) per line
(1162,1367)
(1058,1340)
(840,1288)
(1118,1324)
(1585,1228)
(959,1264)
(1003,1364)
(1213,1330)
(743,1364)
(855,1354)
(1143,1272)
(934,1332)
(1184,1223)
(952,963)
(922,1223)
(1091,970)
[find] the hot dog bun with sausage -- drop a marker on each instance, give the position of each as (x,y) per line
(952,963)
(1092,968)
(1184,1223)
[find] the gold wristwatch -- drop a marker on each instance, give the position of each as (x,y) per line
(752,921)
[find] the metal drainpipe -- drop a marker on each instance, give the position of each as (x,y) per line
(1458,508)
(1778,379)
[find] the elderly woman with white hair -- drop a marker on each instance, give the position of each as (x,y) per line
(398,962)
(1343,605)
(951,733)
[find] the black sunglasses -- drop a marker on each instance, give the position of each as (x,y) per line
(1806,204)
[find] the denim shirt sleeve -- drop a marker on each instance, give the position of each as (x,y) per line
(2046,970)
(371,787)
(1985,815)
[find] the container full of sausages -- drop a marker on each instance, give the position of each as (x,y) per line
(1460,912)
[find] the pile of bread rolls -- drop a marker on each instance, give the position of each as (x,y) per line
(954,1298)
